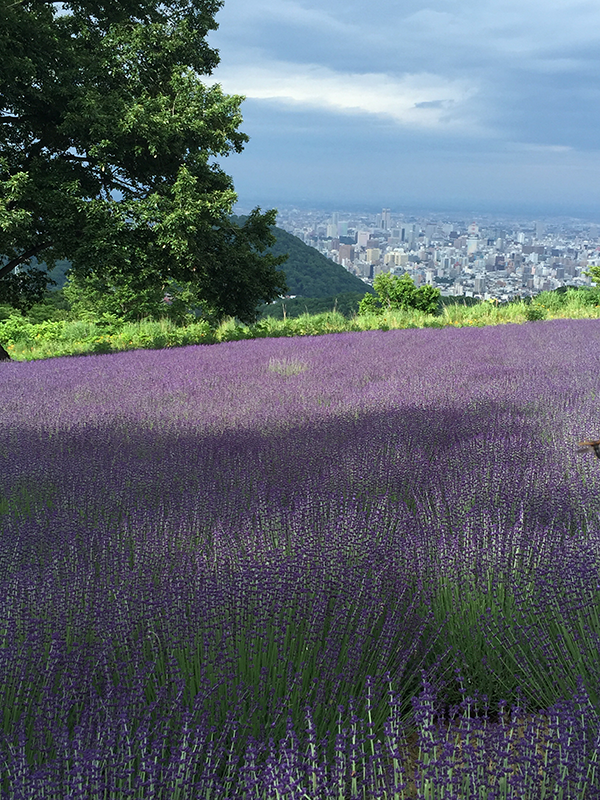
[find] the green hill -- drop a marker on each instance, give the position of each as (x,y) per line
(311,274)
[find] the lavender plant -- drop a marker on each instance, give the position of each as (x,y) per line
(375,576)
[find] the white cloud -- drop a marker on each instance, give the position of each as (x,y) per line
(543,149)
(416,100)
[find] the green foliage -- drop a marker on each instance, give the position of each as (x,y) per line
(472,616)
(369,305)
(535,312)
(107,334)
(24,338)
(465,613)
(53,306)
(594,274)
(24,288)
(107,158)
(396,293)
(17,328)
(568,296)
(427,299)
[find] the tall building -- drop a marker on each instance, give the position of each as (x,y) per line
(386,219)
(346,253)
(408,233)
(362,238)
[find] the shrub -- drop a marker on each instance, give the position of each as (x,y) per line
(368,305)
(535,312)
(399,293)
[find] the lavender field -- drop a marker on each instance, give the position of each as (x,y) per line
(360,565)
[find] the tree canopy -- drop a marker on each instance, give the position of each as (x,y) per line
(109,143)
(395,292)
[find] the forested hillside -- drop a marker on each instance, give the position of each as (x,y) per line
(311,274)
(308,272)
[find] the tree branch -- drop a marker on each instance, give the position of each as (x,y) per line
(6,268)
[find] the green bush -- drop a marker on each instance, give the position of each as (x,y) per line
(535,312)
(395,292)
(16,329)
(427,299)
(368,305)
(399,293)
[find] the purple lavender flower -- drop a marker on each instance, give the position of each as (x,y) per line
(321,567)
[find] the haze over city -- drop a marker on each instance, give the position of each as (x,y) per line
(452,104)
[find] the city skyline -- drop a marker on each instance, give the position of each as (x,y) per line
(496,259)
(462,106)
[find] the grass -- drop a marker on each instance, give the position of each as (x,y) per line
(26,341)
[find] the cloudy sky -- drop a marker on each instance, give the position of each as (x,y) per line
(474,105)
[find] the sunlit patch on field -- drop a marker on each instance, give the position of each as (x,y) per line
(287,366)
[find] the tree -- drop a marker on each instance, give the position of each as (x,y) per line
(594,274)
(395,293)
(108,141)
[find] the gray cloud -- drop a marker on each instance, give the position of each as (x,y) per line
(453,98)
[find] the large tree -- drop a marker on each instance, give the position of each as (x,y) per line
(108,148)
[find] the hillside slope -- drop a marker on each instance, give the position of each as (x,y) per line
(311,274)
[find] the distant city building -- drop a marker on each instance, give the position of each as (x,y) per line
(396,258)
(495,258)
(346,252)
(472,245)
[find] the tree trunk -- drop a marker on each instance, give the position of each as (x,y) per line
(5,269)
(4,355)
